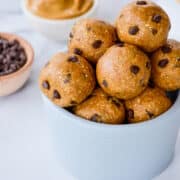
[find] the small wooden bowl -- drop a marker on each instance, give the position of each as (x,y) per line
(14,81)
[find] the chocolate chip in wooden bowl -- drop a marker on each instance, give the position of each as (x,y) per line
(46,85)
(141,2)
(97,44)
(12,56)
(56,95)
(73,59)
(78,51)
(163,63)
(104,83)
(166,49)
(133,30)
(134,69)
(130,114)
(156,18)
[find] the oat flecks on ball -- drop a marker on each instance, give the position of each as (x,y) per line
(102,108)
(143,23)
(166,66)
(67,80)
(151,103)
(123,71)
(91,38)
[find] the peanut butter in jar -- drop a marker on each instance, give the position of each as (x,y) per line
(59,9)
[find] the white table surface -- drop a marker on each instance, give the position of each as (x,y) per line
(26,150)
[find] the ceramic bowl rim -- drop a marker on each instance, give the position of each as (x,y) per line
(76,119)
(59,21)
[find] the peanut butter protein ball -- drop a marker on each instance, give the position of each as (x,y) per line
(123,71)
(90,38)
(102,108)
(143,23)
(166,66)
(151,103)
(67,79)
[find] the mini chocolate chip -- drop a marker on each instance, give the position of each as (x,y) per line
(177,64)
(121,15)
(154,31)
(73,102)
(88,28)
(151,84)
(12,59)
(162,63)
(130,114)
(150,114)
(22,56)
(73,59)
(105,84)
(13,54)
(120,44)
(141,2)
(6,61)
(133,30)
(71,35)
(56,94)
(46,85)
(1,57)
(95,118)
(166,49)
(134,69)
(77,51)
(148,65)
(97,44)
(156,18)
(114,100)
(13,67)
(68,78)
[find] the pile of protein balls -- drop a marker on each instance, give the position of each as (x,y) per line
(134,62)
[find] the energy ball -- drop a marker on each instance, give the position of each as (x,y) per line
(90,38)
(143,23)
(151,103)
(102,108)
(123,71)
(67,79)
(166,66)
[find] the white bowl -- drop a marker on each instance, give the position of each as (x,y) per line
(57,30)
(93,151)
(12,82)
